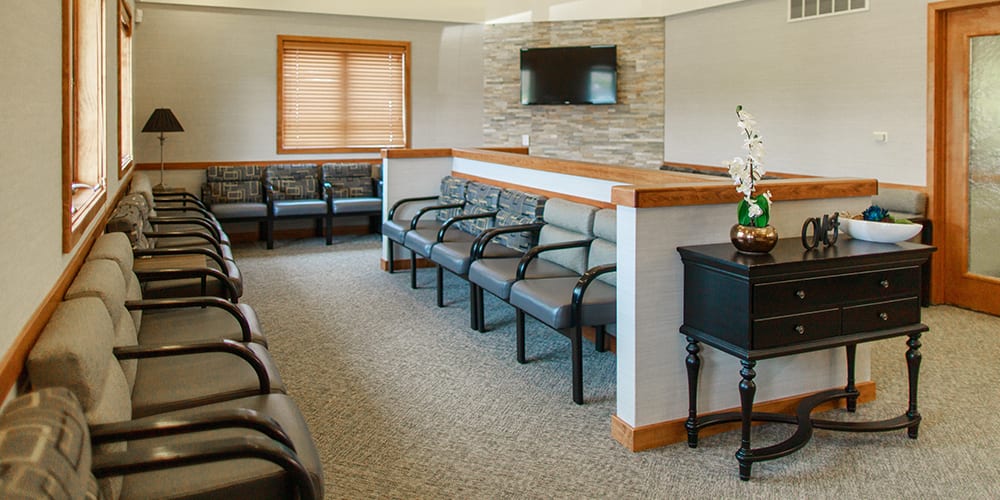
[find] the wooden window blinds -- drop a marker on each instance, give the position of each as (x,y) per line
(342,95)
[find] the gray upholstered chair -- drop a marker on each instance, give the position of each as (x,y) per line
(185,319)
(570,303)
(166,377)
(351,191)
(235,193)
(293,192)
(451,197)
(566,222)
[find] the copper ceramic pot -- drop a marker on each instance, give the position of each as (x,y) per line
(752,239)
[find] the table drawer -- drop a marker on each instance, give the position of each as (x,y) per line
(794,296)
(787,330)
(881,315)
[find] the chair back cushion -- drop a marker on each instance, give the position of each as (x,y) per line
(294,182)
(567,221)
(115,248)
(479,198)
(604,250)
(45,447)
(232,184)
(904,203)
(452,191)
(143,186)
(517,208)
(349,180)
(128,219)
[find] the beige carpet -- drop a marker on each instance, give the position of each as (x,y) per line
(405,401)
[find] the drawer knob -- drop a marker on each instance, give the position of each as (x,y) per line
(800,329)
(883,316)
(885,283)
(801,294)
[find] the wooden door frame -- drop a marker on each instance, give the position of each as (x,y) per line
(937,175)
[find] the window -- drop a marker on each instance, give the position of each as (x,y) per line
(84,140)
(339,95)
(809,9)
(124,88)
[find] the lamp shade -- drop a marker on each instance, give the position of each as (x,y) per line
(162,120)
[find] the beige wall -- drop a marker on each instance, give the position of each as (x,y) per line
(819,88)
(216,69)
(31,257)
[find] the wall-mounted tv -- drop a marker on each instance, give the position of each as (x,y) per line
(569,75)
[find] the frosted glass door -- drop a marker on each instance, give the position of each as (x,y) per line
(984,156)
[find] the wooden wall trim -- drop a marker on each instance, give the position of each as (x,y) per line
(417,153)
(716,193)
(651,436)
(724,170)
(547,194)
(202,165)
(13,360)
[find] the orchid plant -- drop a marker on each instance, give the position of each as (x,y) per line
(752,210)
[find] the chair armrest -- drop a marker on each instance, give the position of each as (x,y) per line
(196,221)
(533,252)
(134,460)
(142,252)
(588,277)
(157,426)
(203,211)
(432,208)
(201,272)
(182,197)
(450,222)
(187,234)
(222,345)
(479,245)
(190,302)
(403,201)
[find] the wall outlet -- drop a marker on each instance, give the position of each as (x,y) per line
(881,136)
(525,140)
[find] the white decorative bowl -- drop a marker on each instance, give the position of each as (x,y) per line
(879,232)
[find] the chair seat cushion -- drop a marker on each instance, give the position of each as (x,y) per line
(244,478)
(356,205)
(177,382)
(422,240)
(455,255)
(292,208)
(396,230)
(228,211)
(549,301)
(197,324)
(497,275)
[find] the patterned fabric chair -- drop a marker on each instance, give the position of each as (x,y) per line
(441,207)
(514,209)
(235,193)
(254,446)
(293,192)
(567,304)
(351,190)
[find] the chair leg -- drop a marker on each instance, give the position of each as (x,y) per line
(440,286)
(413,270)
(473,312)
(599,339)
(328,229)
(270,233)
(520,336)
(576,340)
(392,258)
(480,309)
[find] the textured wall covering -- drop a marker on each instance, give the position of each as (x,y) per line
(628,133)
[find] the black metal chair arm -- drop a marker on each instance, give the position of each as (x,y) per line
(479,245)
(180,197)
(402,201)
(157,426)
(218,259)
(134,460)
(587,278)
(452,221)
(201,272)
(432,208)
(190,302)
(222,345)
(194,221)
(206,213)
(522,266)
(186,234)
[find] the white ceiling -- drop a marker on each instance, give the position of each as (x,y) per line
(470,11)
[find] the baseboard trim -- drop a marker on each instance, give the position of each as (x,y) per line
(404,264)
(660,434)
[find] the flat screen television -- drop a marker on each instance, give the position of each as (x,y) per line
(569,75)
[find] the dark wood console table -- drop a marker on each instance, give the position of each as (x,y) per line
(792,301)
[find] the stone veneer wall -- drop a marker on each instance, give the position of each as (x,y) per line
(629,133)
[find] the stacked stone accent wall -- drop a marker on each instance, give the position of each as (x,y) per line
(628,133)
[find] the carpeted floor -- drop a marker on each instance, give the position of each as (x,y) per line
(405,401)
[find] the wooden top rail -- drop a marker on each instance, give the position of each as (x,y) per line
(443,152)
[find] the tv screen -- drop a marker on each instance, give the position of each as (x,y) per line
(569,75)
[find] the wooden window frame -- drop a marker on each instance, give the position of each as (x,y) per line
(84,139)
(126,127)
(338,44)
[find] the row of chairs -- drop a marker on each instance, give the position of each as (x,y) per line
(179,395)
(551,259)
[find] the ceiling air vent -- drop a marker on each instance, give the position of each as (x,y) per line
(799,10)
